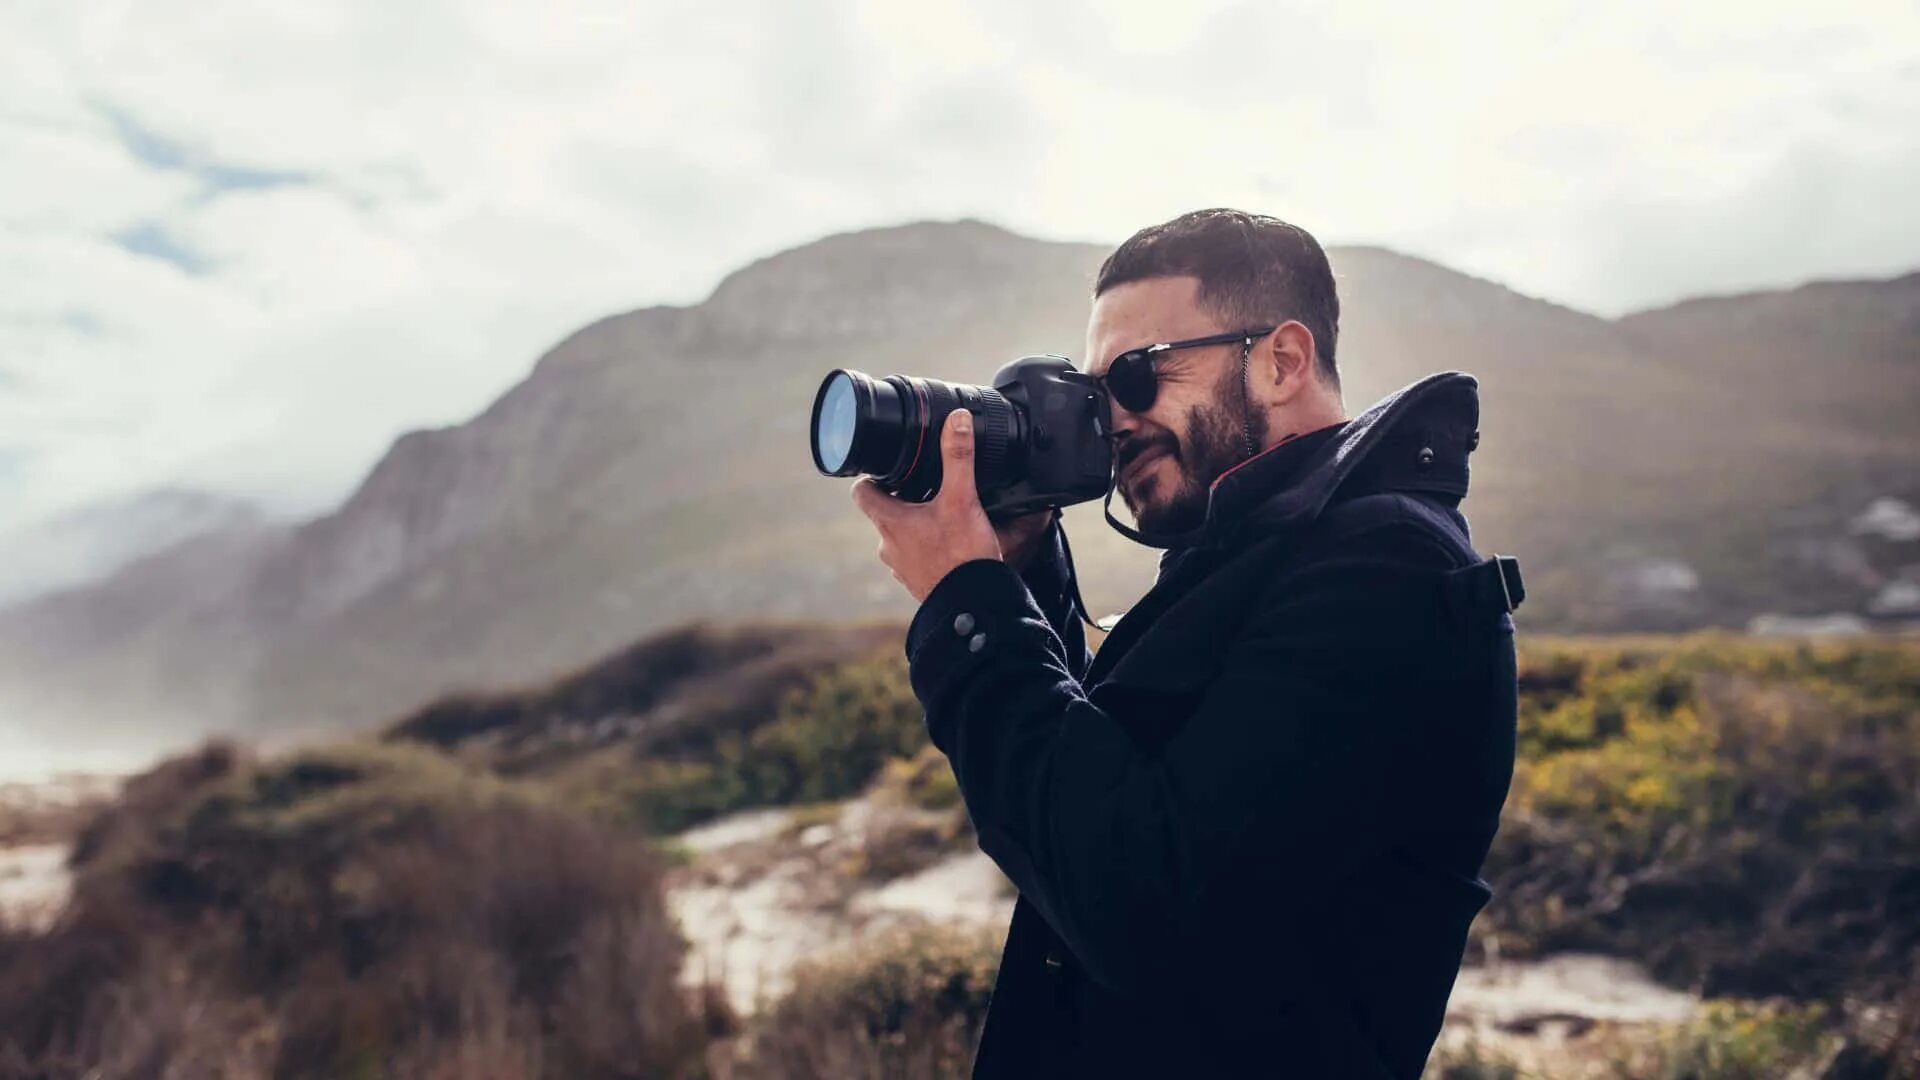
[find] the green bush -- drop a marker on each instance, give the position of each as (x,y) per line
(1736,812)
(1736,1041)
(827,740)
(833,737)
(926,780)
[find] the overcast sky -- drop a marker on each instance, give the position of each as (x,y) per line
(243,245)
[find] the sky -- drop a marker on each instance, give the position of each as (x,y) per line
(244,245)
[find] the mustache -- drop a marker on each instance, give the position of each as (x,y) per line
(1131,452)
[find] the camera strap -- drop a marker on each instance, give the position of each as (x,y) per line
(1073,579)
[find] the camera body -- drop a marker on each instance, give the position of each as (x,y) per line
(1040,434)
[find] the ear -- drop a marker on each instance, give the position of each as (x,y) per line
(1283,365)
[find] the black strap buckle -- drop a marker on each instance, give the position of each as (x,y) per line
(1490,587)
(1512,588)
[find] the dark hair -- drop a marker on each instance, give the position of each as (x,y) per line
(1254,270)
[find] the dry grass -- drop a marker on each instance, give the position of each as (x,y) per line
(906,1006)
(364,911)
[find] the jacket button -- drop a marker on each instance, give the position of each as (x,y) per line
(1054,964)
(976,642)
(963,624)
(1473,442)
(1426,456)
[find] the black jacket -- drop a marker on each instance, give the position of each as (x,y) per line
(1247,836)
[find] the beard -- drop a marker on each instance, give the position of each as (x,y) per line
(1215,441)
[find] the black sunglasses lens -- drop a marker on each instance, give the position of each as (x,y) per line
(1131,381)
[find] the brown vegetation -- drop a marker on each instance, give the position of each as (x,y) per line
(362,911)
(907,1006)
(671,691)
(1743,816)
(32,814)
(695,723)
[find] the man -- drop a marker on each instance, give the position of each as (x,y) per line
(1247,835)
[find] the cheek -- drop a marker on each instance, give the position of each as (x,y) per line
(1167,428)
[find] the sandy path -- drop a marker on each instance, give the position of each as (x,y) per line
(33,883)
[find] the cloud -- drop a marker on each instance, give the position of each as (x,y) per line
(246,249)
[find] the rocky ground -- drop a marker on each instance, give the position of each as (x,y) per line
(37,821)
(33,883)
(764,889)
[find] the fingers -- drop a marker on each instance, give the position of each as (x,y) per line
(956,459)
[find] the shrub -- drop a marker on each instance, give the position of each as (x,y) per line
(359,911)
(1471,1061)
(828,739)
(895,842)
(832,738)
(914,817)
(907,1005)
(1736,1041)
(926,780)
(1737,813)
(675,693)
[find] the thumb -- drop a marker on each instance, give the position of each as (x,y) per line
(956,458)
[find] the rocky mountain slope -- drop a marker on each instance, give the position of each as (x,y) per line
(1691,466)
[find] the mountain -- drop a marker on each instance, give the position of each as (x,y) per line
(1685,467)
(90,543)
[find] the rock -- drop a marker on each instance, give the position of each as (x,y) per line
(1890,519)
(748,826)
(1836,624)
(1530,994)
(1900,597)
(1653,581)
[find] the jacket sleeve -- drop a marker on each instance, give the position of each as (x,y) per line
(1286,756)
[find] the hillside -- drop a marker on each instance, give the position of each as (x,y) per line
(1689,467)
(91,542)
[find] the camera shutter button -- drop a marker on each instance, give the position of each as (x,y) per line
(963,624)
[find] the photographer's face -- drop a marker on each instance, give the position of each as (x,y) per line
(1169,455)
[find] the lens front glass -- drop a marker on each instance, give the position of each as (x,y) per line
(833,431)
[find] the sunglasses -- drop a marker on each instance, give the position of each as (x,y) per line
(1133,379)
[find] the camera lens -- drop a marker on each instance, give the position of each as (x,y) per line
(833,428)
(858,423)
(889,429)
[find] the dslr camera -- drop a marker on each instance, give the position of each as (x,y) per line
(1040,434)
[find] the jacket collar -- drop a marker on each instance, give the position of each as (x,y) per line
(1415,439)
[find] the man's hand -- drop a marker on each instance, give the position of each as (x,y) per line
(1020,537)
(922,542)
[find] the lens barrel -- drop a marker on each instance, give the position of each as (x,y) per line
(889,429)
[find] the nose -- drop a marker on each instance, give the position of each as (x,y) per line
(1120,422)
